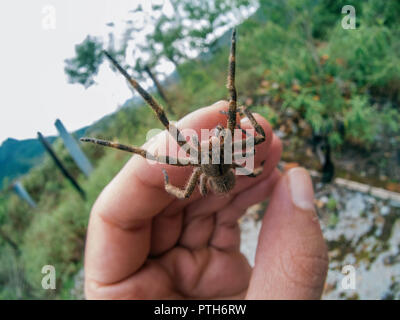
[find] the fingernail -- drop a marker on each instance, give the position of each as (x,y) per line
(301,189)
(219,102)
(244,120)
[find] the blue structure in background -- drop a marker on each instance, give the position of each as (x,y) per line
(74,150)
(22,193)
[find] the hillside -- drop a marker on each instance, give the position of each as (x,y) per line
(17,157)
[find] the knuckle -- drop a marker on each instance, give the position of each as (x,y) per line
(92,290)
(97,291)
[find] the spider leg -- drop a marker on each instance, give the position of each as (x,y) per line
(241,144)
(182,193)
(244,131)
(245,153)
(252,174)
(157,108)
(238,125)
(257,139)
(203,185)
(142,152)
(231,86)
(255,124)
(218,130)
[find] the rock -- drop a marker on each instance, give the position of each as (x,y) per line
(355,206)
(385,210)
(280,134)
(370,199)
(378,233)
(77,292)
(324,199)
(395,204)
(318,203)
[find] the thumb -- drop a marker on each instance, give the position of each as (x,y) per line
(291,258)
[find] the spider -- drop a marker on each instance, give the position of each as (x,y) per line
(220,178)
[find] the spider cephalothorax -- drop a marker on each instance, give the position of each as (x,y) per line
(220,177)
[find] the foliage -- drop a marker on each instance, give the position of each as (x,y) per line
(192,26)
(331,204)
(345,77)
(57,237)
(81,68)
(268,113)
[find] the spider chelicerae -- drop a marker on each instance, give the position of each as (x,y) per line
(219,177)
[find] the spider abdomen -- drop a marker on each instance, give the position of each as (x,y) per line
(215,170)
(224,183)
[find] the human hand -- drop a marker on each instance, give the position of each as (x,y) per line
(143,243)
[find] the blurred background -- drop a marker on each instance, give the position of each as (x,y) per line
(326,76)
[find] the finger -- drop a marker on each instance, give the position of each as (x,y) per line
(226,234)
(291,258)
(118,240)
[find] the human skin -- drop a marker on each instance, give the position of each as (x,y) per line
(143,243)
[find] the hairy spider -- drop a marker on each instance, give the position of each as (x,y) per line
(218,177)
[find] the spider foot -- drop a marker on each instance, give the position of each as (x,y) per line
(166,179)
(257,171)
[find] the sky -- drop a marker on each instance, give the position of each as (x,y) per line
(36,37)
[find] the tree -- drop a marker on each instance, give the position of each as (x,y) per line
(156,36)
(85,64)
(193,26)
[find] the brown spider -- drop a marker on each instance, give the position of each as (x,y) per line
(219,177)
